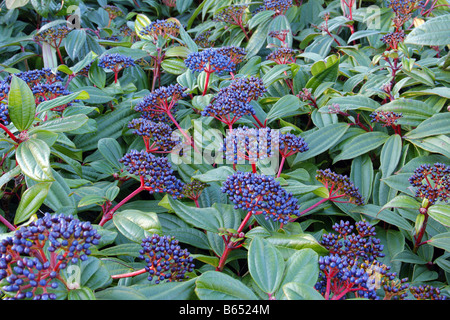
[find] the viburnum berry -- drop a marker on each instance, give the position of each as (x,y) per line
(33,257)
(158,136)
(166,261)
(233,102)
(282,56)
(427,292)
(209,60)
(339,186)
(260,194)
(115,62)
(432,182)
(161,28)
(155,173)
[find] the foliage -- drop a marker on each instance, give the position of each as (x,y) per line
(225,150)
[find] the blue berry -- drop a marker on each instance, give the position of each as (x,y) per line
(155,172)
(432,182)
(209,60)
(260,194)
(165,260)
(23,266)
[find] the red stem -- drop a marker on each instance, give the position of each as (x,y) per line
(7,223)
(130,274)
(206,83)
(229,247)
(281,167)
(108,215)
(10,134)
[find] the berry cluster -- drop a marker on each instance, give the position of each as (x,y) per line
(26,271)
(203,41)
(279,6)
(352,265)
(394,289)
(160,101)
(161,28)
(194,189)
(388,118)
(4,113)
(339,186)
(427,292)
(250,144)
(432,182)
(340,276)
(282,56)
(392,39)
(279,34)
(155,173)
(159,133)
(165,259)
(233,102)
(361,245)
(115,62)
(232,14)
(36,77)
(236,54)
(209,60)
(113,11)
(53,35)
(260,194)
(290,144)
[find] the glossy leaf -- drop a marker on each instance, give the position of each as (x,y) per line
(266,264)
(21,104)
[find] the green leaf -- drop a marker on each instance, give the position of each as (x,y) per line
(73,42)
(437,144)
(31,201)
(390,155)
(440,213)
(33,157)
(108,126)
(59,101)
(97,75)
(13,4)
(441,241)
(436,125)
(289,243)
(284,107)
(258,39)
(136,225)
(169,290)
(120,293)
(65,124)
(111,151)
(217,174)
(434,32)
(300,291)
(21,105)
(388,216)
(265,264)
(402,201)
(174,66)
(209,219)
(214,285)
(302,268)
(362,175)
(321,140)
(361,144)
(324,72)
(83,293)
